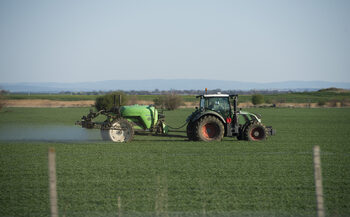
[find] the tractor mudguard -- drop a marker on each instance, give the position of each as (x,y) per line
(202,114)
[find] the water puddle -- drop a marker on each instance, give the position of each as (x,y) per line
(47,133)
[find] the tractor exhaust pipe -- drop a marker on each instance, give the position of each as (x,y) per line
(235,114)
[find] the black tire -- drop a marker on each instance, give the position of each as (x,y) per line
(242,128)
(209,128)
(191,134)
(255,132)
(241,136)
(121,131)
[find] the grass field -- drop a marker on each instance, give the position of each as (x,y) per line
(305,97)
(169,176)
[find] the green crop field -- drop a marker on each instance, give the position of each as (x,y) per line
(59,97)
(170,176)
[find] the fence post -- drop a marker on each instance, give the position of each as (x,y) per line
(52,182)
(318,181)
(119,207)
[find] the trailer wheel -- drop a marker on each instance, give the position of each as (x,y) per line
(256,132)
(209,129)
(121,131)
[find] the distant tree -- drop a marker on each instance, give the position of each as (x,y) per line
(106,102)
(257,99)
(321,102)
(160,101)
(169,102)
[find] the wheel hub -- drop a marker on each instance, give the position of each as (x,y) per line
(209,130)
(119,132)
(257,133)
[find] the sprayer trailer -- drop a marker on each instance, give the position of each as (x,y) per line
(217,117)
(121,122)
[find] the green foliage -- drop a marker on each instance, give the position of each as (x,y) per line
(228,178)
(321,102)
(106,102)
(257,99)
(169,102)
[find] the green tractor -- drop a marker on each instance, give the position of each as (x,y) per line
(121,122)
(216,118)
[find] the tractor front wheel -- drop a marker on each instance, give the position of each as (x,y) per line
(255,132)
(209,128)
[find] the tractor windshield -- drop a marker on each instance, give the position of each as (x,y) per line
(218,104)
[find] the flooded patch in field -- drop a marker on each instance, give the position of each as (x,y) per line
(47,133)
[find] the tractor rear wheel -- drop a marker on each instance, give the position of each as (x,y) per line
(255,132)
(209,128)
(121,131)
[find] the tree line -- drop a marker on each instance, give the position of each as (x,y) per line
(168,101)
(178,92)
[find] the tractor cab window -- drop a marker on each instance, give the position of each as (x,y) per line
(218,104)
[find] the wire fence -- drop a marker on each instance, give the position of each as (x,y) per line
(193,182)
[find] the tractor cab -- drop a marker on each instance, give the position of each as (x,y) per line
(219,103)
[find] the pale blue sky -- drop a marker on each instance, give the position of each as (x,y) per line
(259,41)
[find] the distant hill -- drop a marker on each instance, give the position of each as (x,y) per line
(335,90)
(178,84)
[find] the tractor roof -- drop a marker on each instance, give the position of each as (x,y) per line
(214,95)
